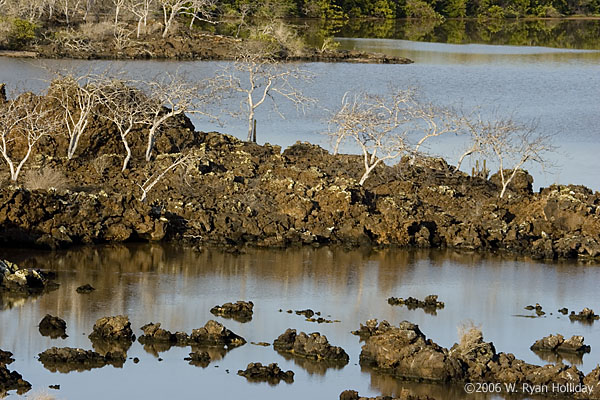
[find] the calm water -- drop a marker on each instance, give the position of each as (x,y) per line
(177,287)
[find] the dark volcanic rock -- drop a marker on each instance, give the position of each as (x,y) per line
(67,359)
(215,334)
(537,308)
(113,328)
(247,194)
(585,315)
(53,327)
(240,310)
(308,313)
(6,357)
(112,336)
(314,346)
(371,328)
(17,283)
(10,380)
(84,289)
(199,359)
(266,373)
(154,333)
(405,394)
(406,352)
(430,304)
(157,340)
(558,343)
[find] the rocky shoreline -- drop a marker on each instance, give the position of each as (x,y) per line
(186,46)
(238,193)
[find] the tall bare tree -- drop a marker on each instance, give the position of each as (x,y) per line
(509,143)
(196,9)
(126,107)
(172,95)
(379,125)
(514,144)
(259,78)
(118,6)
(432,121)
(23,123)
(78,97)
(141,9)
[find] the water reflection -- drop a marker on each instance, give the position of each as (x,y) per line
(554,357)
(558,33)
(178,286)
(313,367)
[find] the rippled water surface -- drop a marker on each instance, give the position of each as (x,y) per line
(178,286)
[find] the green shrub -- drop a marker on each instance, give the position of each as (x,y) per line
(16,32)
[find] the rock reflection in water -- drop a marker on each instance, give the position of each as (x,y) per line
(179,286)
(555,357)
(390,386)
(314,367)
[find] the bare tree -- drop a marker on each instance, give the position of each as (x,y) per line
(126,107)
(23,123)
(258,78)
(155,177)
(69,9)
(78,96)
(379,125)
(119,4)
(510,143)
(201,10)
(141,9)
(172,95)
(432,121)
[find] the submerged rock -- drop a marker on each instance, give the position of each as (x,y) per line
(537,308)
(558,343)
(405,353)
(371,328)
(112,336)
(585,315)
(266,373)
(84,289)
(6,357)
(153,333)
(308,313)
(10,380)
(67,359)
(215,334)
(314,346)
(113,328)
(405,394)
(240,310)
(53,326)
(199,359)
(430,304)
(20,283)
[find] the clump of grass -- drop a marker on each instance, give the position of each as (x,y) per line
(45,178)
(469,333)
(40,396)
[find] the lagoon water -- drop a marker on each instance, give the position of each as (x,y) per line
(178,286)
(559,88)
